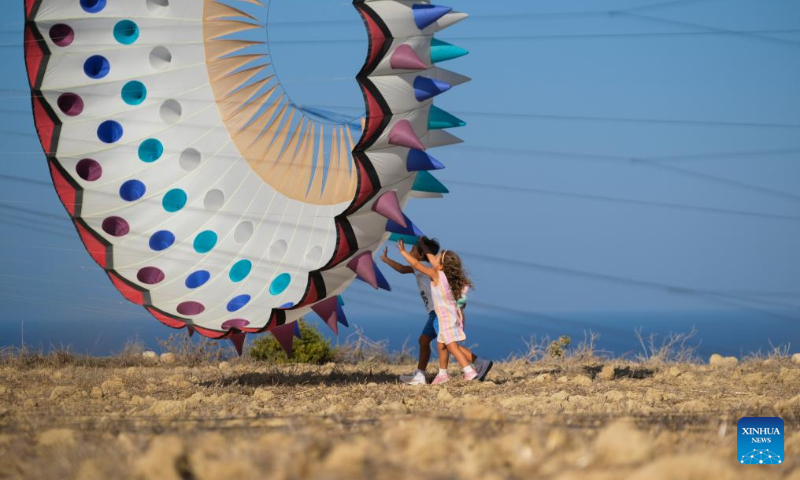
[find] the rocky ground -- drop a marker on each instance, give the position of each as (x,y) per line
(243,420)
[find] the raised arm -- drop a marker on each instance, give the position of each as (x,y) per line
(416,264)
(398,267)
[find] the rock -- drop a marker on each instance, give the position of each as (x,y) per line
(621,443)
(752,379)
(163,460)
(614,396)
(560,396)
(3,390)
(224,366)
(366,405)
(796,358)
(263,396)
(56,437)
(168,358)
(444,396)
(167,407)
(717,360)
(545,377)
(112,386)
(692,406)
(789,376)
(674,371)
(581,380)
(689,467)
(96,393)
(609,372)
(62,392)
(150,356)
(563,380)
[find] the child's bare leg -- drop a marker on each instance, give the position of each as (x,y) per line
(471,357)
(460,357)
(444,355)
(424,351)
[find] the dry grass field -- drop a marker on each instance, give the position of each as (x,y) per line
(129,417)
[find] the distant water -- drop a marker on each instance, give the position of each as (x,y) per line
(497,337)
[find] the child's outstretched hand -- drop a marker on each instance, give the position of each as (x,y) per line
(401,245)
(385,255)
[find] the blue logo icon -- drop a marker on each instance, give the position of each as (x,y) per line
(760,440)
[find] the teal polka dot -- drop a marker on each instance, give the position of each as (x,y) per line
(205,241)
(174,200)
(280,284)
(150,150)
(134,93)
(240,270)
(126,32)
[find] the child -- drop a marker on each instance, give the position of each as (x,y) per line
(428,331)
(448,281)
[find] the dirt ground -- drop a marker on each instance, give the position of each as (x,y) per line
(242,420)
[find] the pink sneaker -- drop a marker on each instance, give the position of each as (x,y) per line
(440,379)
(471,375)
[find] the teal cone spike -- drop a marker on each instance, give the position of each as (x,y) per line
(408,239)
(438,119)
(443,51)
(425,182)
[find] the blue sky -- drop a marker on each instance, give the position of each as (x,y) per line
(627,162)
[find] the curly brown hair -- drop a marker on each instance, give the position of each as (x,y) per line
(454,271)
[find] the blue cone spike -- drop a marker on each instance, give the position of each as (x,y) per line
(297,330)
(426,15)
(411,229)
(340,313)
(425,88)
(425,182)
(382,283)
(408,239)
(418,160)
(443,51)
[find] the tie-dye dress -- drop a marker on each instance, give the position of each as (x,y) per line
(451,324)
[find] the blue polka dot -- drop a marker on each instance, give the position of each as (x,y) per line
(287,305)
(109,131)
(132,190)
(93,6)
(150,150)
(280,284)
(238,302)
(134,93)
(240,270)
(126,32)
(205,241)
(161,240)
(197,279)
(174,200)
(96,67)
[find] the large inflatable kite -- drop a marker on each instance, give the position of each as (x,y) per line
(205,193)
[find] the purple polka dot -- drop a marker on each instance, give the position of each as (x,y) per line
(116,226)
(62,35)
(89,169)
(235,323)
(190,308)
(71,104)
(150,275)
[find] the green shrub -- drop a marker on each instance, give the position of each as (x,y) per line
(558,348)
(312,348)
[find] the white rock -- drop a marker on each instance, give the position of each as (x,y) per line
(168,358)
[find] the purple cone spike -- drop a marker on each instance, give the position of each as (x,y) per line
(284,334)
(426,87)
(404,57)
(427,15)
(389,206)
(418,160)
(328,310)
(402,135)
(410,229)
(364,267)
(237,339)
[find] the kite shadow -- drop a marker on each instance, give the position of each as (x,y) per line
(263,379)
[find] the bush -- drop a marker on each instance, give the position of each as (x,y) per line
(311,348)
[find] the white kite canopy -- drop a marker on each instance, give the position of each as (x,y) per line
(207,195)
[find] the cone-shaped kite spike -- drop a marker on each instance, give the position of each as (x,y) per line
(404,57)
(284,334)
(443,51)
(426,15)
(449,20)
(297,330)
(426,87)
(237,339)
(389,206)
(340,316)
(328,310)
(425,182)
(364,267)
(438,119)
(407,239)
(382,282)
(402,135)
(410,229)
(341,300)
(418,160)
(190,331)
(441,138)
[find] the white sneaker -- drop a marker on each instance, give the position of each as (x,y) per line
(482,366)
(418,378)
